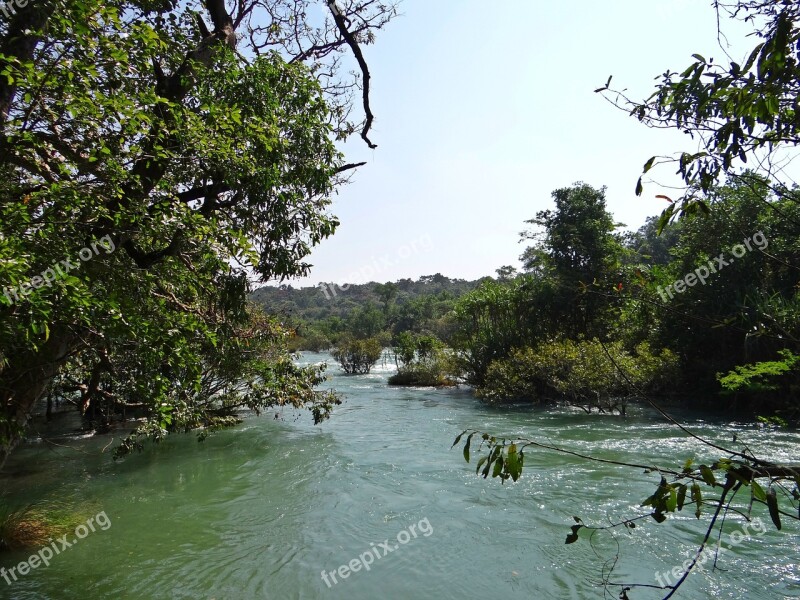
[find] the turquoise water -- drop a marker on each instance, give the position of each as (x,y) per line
(261,510)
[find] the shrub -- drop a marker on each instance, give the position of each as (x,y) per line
(422,360)
(770,385)
(765,376)
(429,374)
(312,340)
(357,357)
(582,373)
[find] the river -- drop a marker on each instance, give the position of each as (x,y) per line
(261,510)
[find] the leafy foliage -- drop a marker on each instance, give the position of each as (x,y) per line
(585,373)
(357,356)
(328,311)
(763,376)
(204,157)
(422,360)
(711,489)
(738,110)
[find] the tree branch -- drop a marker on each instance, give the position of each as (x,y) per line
(341,23)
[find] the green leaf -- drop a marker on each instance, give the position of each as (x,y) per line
(697,496)
(772,504)
(708,475)
(681,496)
(672,501)
(498,466)
(513,465)
(752,59)
(487,468)
(665,218)
(758,491)
(466,447)
(458,438)
(659,516)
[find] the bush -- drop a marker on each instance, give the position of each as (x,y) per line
(422,360)
(581,373)
(312,340)
(765,376)
(767,385)
(429,374)
(357,357)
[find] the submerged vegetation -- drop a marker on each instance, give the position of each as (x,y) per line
(35,526)
(357,357)
(422,360)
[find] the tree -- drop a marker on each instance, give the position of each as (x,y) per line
(357,356)
(743,112)
(576,252)
(506,272)
(652,247)
(738,110)
(422,360)
(366,321)
(577,248)
(199,153)
(387,292)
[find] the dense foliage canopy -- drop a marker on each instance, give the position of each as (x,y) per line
(153,158)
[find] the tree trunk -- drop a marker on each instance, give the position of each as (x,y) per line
(23,383)
(20,43)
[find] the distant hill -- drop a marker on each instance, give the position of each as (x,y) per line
(312,304)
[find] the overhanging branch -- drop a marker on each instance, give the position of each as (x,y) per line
(341,23)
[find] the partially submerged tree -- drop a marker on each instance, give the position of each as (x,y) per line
(422,360)
(357,356)
(198,140)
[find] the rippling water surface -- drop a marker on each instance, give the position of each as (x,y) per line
(261,510)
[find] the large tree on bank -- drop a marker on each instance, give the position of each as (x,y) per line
(190,144)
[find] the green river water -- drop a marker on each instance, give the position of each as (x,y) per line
(261,510)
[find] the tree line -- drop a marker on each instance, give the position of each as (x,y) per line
(703,309)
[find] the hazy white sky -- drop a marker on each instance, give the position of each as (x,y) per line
(483,108)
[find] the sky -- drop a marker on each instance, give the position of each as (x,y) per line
(483,109)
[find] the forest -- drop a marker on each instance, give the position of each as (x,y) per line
(701,307)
